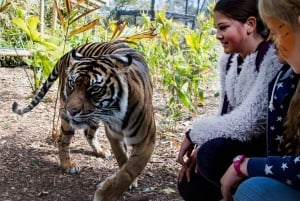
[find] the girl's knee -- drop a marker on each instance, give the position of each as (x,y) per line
(214,155)
(264,188)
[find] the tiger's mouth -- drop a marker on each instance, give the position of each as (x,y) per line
(78,125)
(78,121)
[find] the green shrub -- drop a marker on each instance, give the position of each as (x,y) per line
(181,59)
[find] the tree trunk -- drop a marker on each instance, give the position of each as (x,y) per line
(54,16)
(42,16)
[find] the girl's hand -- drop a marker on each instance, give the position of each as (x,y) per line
(186,149)
(231,180)
(189,165)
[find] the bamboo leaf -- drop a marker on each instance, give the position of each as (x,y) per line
(33,22)
(78,3)
(32,26)
(184,99)
(3,8)
(145,34)
(60,16)
(48,45)
(69,6)
(84,14)
(20,13)
(85,27)
(118,29)
(183,96)
(22,25)
(47,65)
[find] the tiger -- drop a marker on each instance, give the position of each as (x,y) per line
(105,83)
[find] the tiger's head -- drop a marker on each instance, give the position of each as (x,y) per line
(95,89)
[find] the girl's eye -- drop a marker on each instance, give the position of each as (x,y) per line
(222,28)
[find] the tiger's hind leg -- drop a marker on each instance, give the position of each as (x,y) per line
(92,139)
(64,141)
(114,186)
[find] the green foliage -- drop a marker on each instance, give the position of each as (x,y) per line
(35,163)
(181,60)
(40,47)
(10,36)
(46,50)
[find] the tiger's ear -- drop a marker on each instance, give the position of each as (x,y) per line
(75,57)
(121,62)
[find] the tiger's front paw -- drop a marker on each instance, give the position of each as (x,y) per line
(105,191)
(71,168)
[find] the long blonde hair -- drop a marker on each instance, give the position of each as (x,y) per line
(288,12)
(292,124)
(285,10)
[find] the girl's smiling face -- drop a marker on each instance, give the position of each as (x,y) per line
(229,32)
(287,42)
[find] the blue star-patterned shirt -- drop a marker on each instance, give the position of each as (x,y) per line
(283,168)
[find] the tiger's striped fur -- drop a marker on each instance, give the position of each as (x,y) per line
(110,83)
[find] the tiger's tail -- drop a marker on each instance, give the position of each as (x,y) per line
(42,92)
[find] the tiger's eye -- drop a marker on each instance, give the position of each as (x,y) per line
(96,88)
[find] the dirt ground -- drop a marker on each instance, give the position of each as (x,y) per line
(29,164)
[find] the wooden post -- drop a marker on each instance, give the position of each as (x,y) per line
(16,52)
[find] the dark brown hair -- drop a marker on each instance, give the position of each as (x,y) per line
(241,10)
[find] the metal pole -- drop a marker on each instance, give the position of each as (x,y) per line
(152,10)
(186,6)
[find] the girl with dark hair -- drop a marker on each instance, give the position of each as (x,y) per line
(247,66)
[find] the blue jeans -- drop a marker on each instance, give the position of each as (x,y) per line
(265,189)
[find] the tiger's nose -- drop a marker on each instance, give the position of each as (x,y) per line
(74,111)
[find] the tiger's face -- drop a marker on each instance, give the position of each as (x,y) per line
(95,91)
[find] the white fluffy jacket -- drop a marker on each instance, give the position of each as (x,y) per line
(247,93)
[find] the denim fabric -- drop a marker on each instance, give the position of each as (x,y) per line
(265,189)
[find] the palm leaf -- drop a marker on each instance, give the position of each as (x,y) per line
(85,27)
